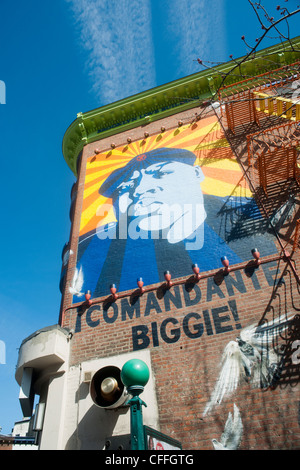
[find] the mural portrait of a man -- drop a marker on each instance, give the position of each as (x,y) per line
(161,218)
(158,195)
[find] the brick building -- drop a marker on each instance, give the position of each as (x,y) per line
(184,232)
(6,442)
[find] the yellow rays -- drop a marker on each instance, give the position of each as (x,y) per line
(223,176)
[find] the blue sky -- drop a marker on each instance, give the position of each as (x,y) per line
(58,58)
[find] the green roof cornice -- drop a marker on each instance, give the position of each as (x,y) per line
(162,101)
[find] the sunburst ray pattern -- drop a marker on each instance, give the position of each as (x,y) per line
(223,175)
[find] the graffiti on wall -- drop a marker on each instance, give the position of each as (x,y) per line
(254,357)
(251,357)
(162,204)
(233,432)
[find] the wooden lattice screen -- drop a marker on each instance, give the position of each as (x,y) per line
(241,110)
(276,166)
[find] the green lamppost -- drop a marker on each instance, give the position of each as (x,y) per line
(135,375)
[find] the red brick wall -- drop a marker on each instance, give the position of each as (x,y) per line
(186,360)
(187,328)
(6,444)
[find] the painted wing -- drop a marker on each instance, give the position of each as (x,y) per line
(262,335)
(232,369)
(217,445)
(77,283)
(264,338)
(233,431)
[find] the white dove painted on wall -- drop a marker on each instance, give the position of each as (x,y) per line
(77,283)
(233,432)
(250,357)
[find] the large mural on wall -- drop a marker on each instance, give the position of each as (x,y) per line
(165,202)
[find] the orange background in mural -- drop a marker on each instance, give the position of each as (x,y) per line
(205,138)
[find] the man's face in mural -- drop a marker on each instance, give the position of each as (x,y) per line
(166,196)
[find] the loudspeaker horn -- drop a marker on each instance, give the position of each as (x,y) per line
(107,389)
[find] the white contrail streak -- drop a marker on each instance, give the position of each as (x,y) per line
(117,38)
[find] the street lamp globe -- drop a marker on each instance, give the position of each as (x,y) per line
(135,374)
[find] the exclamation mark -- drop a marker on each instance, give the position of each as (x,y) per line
(233,308)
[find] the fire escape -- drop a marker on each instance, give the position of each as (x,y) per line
(261,118)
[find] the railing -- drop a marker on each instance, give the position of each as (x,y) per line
(270,80)
(277,106)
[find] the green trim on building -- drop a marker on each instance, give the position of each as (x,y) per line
(165,100)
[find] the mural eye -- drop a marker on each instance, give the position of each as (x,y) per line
(160,174)
(125,187)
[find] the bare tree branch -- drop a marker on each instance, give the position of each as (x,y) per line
(273,24)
